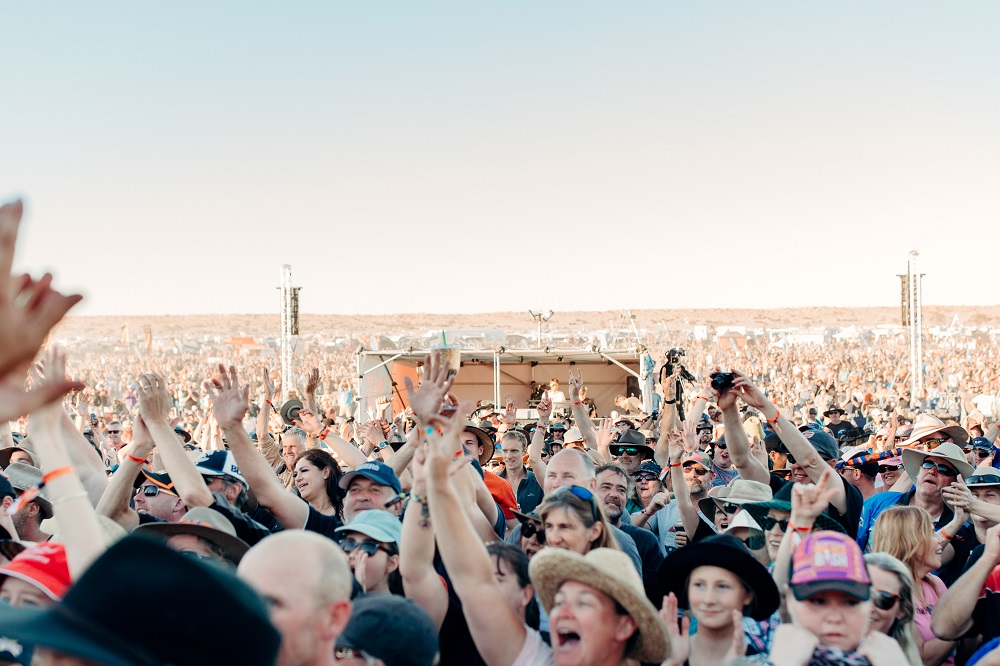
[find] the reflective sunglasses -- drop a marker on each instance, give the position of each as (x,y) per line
(645,477)
(529,530)
(628,451)
(983,479)
(698,469)
(941,468)
(153,491)
(932,444)
(367,547)
(586,496)
(728,507)
(884,600)
(884,469)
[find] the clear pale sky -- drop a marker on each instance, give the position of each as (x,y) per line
(469,157)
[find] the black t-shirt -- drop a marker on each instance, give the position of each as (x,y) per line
(849,520)
(649,552)
(963,542)
(325,525)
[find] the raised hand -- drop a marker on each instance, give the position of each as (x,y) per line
(381,404)
(154,399)
(428,399)
(810,500)
(605,433)
(28,311)
(509,412)
(748,392)
(268,385)
(42,399)
(142,442)
(680,641)
(575,382)
(544,408)
(957,495)
(313,382)
(229,397)
(308,421)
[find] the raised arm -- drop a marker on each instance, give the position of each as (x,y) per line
(952,616)
(682,494)
(537,445)
(81,532)
(229,402)
(154,408)
(487,611)
(804,453)
(265,442)
(416,551)
(736,438)
(346,451)
(580,413)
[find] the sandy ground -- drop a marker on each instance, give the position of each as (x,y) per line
(652,320)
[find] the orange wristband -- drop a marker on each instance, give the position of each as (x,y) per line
(796,528)
(141,461)
(947,537)
(56,473)
(777,415)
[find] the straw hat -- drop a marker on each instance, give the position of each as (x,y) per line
(489,447)
(611,572)
(926,424)
(914,458)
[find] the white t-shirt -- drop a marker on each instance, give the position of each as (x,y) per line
(534,652)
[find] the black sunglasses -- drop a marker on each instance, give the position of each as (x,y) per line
(721,444)
(529,530)
(883,469)
(942,469)
(367,547)
(114,432)
(770,522)
(645,477)
(153,491)
(884,600)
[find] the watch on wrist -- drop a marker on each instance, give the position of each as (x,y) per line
(383,444)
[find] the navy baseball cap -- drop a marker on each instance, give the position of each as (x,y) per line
(377,471)
(219,463)
(981,443)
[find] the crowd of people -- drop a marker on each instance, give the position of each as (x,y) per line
(790,507)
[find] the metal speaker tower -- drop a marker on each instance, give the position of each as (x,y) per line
(289,326)
(915,324)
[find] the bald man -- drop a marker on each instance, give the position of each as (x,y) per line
(307,583)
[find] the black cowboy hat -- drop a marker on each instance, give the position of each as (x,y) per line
(631,438)
(726,552)
(87,622)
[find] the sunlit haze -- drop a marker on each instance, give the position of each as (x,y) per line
(468,157)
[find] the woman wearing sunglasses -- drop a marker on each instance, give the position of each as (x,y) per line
(907,533)
(371,542)
(892,602)
(573,519)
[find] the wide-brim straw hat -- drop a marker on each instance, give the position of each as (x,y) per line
(926,424)
(489,447)
(914,458)
(612,573)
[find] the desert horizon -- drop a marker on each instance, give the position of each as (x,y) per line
(669,319)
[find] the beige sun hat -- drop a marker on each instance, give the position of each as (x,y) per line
(22,477)
(206,523)
(611,572)
(741,491)
(926,424)
(573,435)
(914,458)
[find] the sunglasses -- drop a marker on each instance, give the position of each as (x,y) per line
(645,477)
(114,432)
(529,530)
(721,444)
(728,508)
(884,600)
(790,458)
(983,479)
(586,496)
(698,469)
(153,491)
(983,453)
(932,444)
(770,522)
(941,468)
(367,547)
(884,469)
(628,451)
